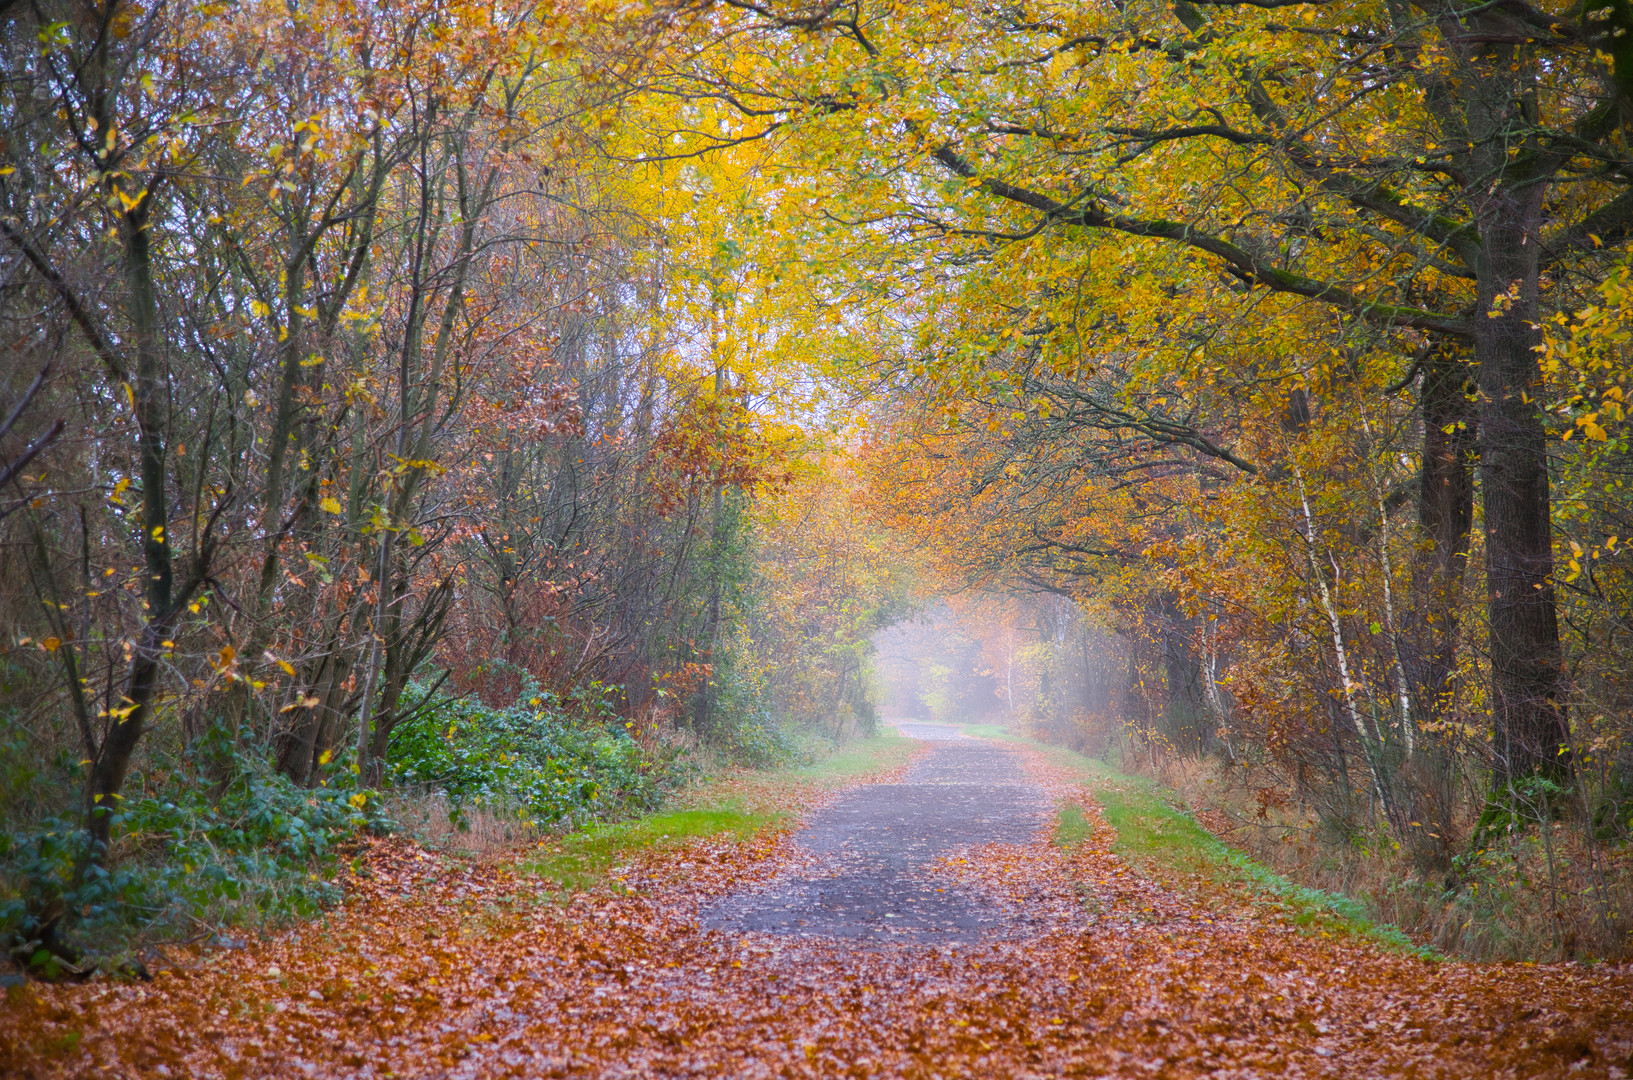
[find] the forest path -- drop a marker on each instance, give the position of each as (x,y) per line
(1034,960)
(878,854)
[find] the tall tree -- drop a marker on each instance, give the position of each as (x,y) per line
(1444,173)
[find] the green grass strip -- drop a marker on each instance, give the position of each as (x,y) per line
(856,758)
(1152,828)
(1071,826)
(581,860)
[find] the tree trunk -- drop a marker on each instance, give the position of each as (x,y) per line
(1528,719)
(149,396)
(1446,515)
(1186,716)
(704,718)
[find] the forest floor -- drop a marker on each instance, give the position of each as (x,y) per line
(963,914)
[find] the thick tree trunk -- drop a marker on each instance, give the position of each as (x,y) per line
(1530,736)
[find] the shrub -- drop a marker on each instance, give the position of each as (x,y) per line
(549,760)
(762,744)
(224,840)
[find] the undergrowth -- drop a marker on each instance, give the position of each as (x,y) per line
(209,839)
(544,760)
(1537,891)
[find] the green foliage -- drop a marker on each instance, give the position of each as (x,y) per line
(1527,801)
(744,730)
(1613,816)
(760,743)
(218,838)
(551,761)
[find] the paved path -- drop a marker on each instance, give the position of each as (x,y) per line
(877,849)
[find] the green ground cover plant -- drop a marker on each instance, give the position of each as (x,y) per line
(212,838)
(547,760)
(209,840)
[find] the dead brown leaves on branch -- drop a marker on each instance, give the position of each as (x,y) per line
(458,970)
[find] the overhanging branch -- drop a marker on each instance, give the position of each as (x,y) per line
(1241,262)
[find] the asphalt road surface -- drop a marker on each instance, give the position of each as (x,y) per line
(876,851)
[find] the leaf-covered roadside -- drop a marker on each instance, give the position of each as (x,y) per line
(431,973)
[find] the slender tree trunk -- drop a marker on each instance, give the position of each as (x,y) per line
(1009,670)
(704,716)
(1371,745)
(371,678)
(1182,671)
(1446,515)
(152,406)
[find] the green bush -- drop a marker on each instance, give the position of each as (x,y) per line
(227,841)
(762,744)
(549,760)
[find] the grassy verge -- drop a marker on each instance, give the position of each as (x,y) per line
(855,759)
(1158,834)
(1071,826)
(582,859)
(1151,829)
(738,806)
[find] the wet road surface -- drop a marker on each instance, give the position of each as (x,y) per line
(878,851)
